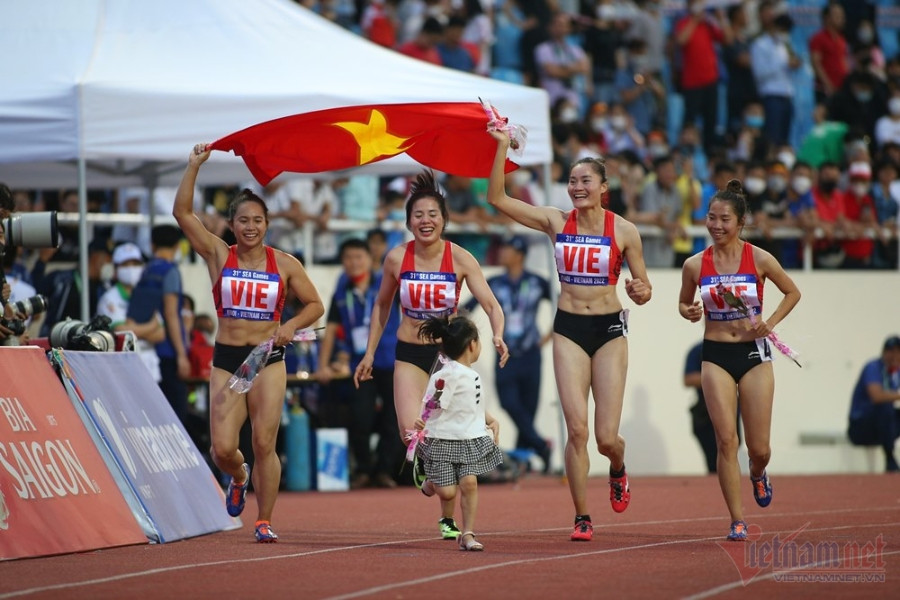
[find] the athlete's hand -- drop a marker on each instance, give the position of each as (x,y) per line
(199,154)
(502,350)
(363,370)
(637,290)
(694,312)
(761,329)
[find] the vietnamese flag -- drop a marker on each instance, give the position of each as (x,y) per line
(447,136)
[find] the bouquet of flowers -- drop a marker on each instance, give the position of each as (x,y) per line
(517,133)
(432,403)
(242,379)
(737,303)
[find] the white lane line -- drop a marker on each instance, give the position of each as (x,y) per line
(124,576)
(447,575)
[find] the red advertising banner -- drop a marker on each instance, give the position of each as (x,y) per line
(56,493)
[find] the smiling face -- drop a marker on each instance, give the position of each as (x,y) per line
(586,186)
(722,222)
(249,224)
(426,221)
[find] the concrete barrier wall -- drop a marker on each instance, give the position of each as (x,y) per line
(839,324)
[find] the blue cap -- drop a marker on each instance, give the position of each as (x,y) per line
(517,242)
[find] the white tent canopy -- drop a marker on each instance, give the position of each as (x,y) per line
(129,86)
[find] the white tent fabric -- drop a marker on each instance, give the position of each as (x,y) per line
(129,85)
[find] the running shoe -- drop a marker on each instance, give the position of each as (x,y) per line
(619,493)
(264,533)
(418,472)
(738,532)
(583,532)
(236,496)
(762,489)
(449,530)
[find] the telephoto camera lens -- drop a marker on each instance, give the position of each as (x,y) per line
(78,335)
(31,306)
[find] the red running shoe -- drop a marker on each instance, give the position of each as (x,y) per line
(619,493)
(584,531)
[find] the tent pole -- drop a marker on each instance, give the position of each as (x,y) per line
(83,241)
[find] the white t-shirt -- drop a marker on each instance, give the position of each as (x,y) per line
(115,306)
(461,413)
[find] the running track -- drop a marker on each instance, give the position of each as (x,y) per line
(384,544)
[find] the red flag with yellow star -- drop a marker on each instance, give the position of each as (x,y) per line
(447,136)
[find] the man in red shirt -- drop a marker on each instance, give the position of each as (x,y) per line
(696,35)
(424,46)
(830,216)
(860,211)
(828,52)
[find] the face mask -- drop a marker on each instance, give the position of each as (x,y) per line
(606,12)
(776,183)
(657,150)
(860,189)
(107,272)
(568,115)
(129,275)
(618,122)
(787,159)
(598,124)
(397,214)
(614,182)
(828,185)
(801,184)
(894,106)
(863,95)
(754,121)
(755,185)
(865,36)
(639,63)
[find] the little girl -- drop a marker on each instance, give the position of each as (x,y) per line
(457,444)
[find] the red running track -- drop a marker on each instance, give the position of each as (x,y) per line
(385,544)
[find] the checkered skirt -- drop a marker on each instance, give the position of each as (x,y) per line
(447,461)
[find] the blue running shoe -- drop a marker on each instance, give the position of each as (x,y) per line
(738,532)
(236,495)
(762,489)
(264,533)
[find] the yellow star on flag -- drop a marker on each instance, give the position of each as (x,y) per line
(373,139)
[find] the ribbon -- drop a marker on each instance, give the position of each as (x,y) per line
(432,403)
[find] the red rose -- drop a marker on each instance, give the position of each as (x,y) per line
(439,384)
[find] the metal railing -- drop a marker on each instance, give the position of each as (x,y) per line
(339,225)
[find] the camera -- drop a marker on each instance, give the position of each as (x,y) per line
(31,306)
(96,336)
(28,307)
(32,230)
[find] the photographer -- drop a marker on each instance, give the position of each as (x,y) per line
(6,207)
(63,287)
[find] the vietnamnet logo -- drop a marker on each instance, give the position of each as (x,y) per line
(789,560)
(160,448)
